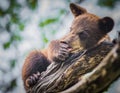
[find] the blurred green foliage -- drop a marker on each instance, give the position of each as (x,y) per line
(21,26)
(48,21)
(13,39)
(45,39)
(13,63)
(107,3)
(12,85)
(14,20)
(32,4)
(6,45)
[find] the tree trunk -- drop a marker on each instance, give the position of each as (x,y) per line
(88,71)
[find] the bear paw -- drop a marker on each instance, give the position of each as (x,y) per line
(64,51)
(32,80)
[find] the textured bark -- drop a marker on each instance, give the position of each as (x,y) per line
(101,77)
(85,72)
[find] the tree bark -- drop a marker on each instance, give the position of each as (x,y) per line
(88,71)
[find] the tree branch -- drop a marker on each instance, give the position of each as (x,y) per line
(104,74)
(88,72)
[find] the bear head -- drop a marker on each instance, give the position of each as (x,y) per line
(87,29)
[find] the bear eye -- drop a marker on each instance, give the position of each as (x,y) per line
(83,35)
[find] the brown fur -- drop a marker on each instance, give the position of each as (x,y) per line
(38,61)
(86,31)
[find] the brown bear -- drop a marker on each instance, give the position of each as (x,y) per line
(87,30)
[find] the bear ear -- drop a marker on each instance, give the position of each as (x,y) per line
(106,24)
(77,10)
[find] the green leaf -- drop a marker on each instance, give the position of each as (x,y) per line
(48,21)
(45,40)
(14,18)
(13,84)
(2,13)
(16,37)
(13,63)
(6,45)
(32,3)
(21,26)
(107,3)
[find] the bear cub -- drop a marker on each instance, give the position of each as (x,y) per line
(86,31)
